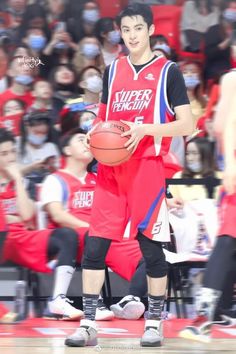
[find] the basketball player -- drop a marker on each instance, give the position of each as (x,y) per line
(69,203)
(33,248)
(222,259)
(148,94)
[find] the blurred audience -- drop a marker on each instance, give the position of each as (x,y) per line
(90,84)
(160,46)
(38,154)
(217,52)
(197,17)
(21,78)
(199,163)
(109,37)
(89,53)
(63,80)
(193,81)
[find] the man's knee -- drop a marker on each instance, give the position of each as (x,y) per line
(70,236)
(156,265)
(95,252)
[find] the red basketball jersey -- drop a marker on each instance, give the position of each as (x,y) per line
(8,198)
(141,98)
(77,195)
(3,226)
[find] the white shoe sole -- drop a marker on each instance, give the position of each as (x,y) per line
(64,317)
(101,317)
(81,343)
(131,311)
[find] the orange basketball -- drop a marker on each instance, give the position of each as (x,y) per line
(107,144)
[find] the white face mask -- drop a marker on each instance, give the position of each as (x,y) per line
(94,84)
(195,167)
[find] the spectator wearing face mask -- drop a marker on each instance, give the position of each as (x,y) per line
(160,46)
(86,120)
(83,17)
(21,78)
(72,120)
(90,83)
(33,17)
(38,154)
(35,40)
(109,36)
(88,54)
(199,163)
(193,82)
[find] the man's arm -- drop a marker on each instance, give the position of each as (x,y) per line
(183,125)
(25,206)
(61,217)
(178,99)
(52,200)
(229,144)
(227,87)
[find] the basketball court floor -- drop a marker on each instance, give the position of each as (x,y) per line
(38,336)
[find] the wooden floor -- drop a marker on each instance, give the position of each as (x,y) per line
(124,346)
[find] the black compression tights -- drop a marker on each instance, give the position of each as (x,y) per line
(63,243)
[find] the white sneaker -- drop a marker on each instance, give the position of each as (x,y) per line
(153,334)
(61,308)
(129,308)
(85,335)
(102,312)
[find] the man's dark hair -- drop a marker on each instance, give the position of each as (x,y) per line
(136,10)
(6,136)
(65,140)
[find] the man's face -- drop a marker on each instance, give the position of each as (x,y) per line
(135,33)
(78,150)
(7,154)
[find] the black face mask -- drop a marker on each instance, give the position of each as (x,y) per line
(66,87)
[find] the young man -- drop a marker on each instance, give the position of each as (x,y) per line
(23,244)
(222,260)
(139,88)
(69,204)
